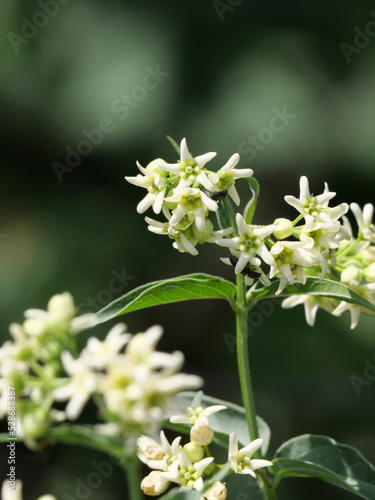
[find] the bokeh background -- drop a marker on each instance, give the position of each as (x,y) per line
(224,68)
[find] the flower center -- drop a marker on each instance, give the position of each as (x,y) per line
(311,207)
(189,169)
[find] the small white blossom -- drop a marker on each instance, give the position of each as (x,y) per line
(154,484)
(189,169)
(196,411)
(191,200)
(249,243)
(290,257)
(241,461)
(364,220)
(82,384)
(186,473)
(154,180)
(224,178)
(97,354)
(315,209)
(155,455)
(217,492)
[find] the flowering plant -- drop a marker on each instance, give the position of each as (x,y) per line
(316,260)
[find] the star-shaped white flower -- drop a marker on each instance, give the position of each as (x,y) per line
(241,461)
(155,183)
(82,385)
(315,209)
(195,411)
(155,455)
(98,354)
(224,178)
(185,473)
(249,243)
(364,220)
(189,169)
(191,200)
(290,258)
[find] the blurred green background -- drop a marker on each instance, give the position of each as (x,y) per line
(224,67)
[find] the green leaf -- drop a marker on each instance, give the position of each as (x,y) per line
(192,286)
(87,436)
(250,207)
(324,458)
(222,422)
(315,286)
(174,144)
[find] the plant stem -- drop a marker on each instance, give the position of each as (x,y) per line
(132,470)
(242,310)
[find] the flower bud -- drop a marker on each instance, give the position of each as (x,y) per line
(202,236)
(35,424)
(62,305)
(193,452)
(369,272)
(217,492)
(150,482)
(201,433)
(154,166)
(34,326)
(350,274)
(283,229)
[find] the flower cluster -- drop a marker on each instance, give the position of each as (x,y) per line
(129,380)
(188,465)
(186,192)
(31,362)
(352,263)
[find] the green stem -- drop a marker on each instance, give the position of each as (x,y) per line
(242,310)
(132,470)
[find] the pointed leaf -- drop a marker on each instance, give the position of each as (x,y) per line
(315,286)
(192,286)
(324,458)
(222,423)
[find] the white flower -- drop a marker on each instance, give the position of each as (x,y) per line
(315,209)
(97,354)
(155,455)
(224,178)
(311,303)
(191,200)
(249,243)
(154,484)
(189,169)
(185,473)
(367,291)
(195,411)
(217,492)
(364,220)
(78,390)
(290,258)
(241,461)
(154,180)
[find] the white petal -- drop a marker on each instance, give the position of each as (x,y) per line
(232,162)
(258,463)
(187,245)
(304,188)
(213,409)
(232,191)
(242,261)
(210,204)
(184,152)
(203,159)
(242,226)
(202,464)
(146,203)
(252,447)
